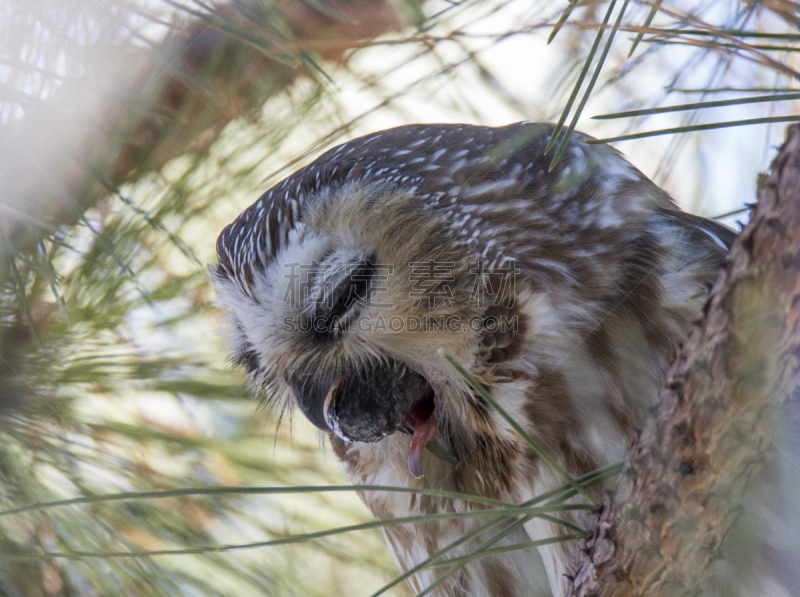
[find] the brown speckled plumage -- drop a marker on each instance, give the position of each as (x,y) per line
(606,268)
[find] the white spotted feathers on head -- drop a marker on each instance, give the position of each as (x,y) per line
(469,175)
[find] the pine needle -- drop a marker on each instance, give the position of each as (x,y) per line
(696,127)
(568,106)
(541,452)
(653,10)
(700,106)
(565,137)
(562,19)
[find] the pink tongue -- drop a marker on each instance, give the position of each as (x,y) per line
(424,430)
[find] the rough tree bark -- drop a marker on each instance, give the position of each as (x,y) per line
(662,532)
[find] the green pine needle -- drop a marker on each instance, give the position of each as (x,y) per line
(422,518)
(562,146)
(731,89)
(541,452)
(224,490)
(498,550)
(735,212)
(565,112)
(696,127)
(554,496)
(562,19)
(653,10)
(700,106)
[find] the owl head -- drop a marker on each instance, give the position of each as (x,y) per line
(338,303)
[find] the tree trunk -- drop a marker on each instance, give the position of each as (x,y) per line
(668,527)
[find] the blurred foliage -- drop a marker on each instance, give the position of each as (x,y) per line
(134,130)
(113,380)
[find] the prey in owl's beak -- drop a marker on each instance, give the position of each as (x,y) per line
(371,403)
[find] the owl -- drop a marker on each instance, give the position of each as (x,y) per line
(565,292)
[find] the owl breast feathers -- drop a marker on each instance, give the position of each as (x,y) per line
(564,292)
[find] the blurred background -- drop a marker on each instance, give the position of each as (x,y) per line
(132,131)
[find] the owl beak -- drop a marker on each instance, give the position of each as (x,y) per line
(370,403)
(327,411)
(311,395)
(361,404)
